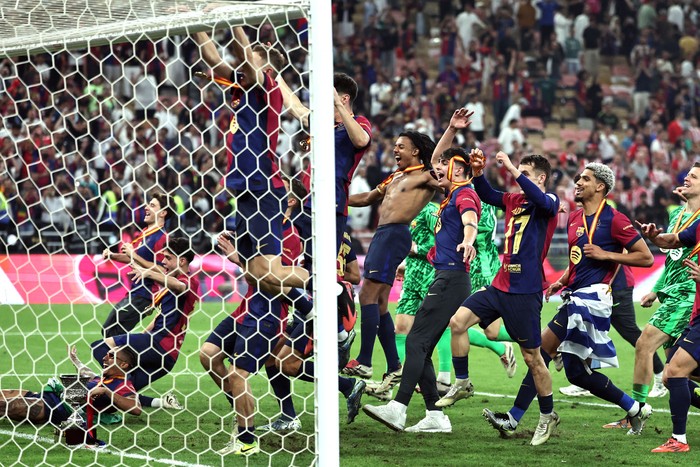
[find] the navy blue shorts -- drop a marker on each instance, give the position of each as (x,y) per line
(520,313)
(558,324)
(390,245)
(223,336)
(152,364)
(300,338)
(54,409)
(253,345)
(259,223)
(689,341)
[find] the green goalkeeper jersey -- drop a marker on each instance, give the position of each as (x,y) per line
(484,266)
(423,235)
(675,281)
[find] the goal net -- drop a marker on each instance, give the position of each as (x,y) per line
(121,125)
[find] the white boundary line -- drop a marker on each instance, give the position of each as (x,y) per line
(579,401)
(121,454)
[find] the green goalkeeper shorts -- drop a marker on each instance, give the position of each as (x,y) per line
(672,317)
(416,283)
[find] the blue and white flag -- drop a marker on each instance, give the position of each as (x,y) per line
(588,310)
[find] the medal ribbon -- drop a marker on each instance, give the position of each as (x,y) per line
(686,224)
(595,221)
(455,185)
(388,180)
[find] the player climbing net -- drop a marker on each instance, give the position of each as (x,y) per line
(103,104)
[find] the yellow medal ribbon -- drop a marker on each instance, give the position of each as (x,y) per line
(455,185)
(686,224)
(595,221)
(388,180)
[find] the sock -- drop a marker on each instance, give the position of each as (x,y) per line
(527,392)
(444,377)
(680,438)
(599,384)
(401,346)
(546,404)
(640,392)
(444,352)
(503,335)
(245,434)
(345,385)
(634,408)
(478,339)
(342,334)
(369,325)
(387,337)
(147,401)
(282,387)
(694,393)
(461,365)
(679,402)
(229,398)
(306,371)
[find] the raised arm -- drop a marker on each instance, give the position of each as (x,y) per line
(533,193)
(293,104)
(358,136)
(244,53)
(459,121)
(208,52)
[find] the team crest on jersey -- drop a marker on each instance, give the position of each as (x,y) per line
(413,224)
(517,211)
(233,127)
(580,231)
(575,255)
(235,103)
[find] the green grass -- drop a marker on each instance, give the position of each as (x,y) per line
(33,342)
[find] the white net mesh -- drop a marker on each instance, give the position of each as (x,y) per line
(102,112)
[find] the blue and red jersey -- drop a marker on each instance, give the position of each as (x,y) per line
(170,324)
(257,305)
(252,138)
(690,238)
(449,230)
(118,385)
(624,278)
(148,246)
(530,222)
(613,232)
(347,158)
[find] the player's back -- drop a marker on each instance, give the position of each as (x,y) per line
(529,231)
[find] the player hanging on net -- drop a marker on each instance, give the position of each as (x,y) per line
(250,338)
(516,293)
(107,394)
(402,196)
(598,237)
(158,346)
(253,175)
(144,251)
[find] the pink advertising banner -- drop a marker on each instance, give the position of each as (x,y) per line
(59,279)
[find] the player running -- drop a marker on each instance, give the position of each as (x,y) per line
(516,293)
(598,237)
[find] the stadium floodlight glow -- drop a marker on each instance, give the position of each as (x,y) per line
(102,93)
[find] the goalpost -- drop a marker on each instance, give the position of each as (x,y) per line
(100,104)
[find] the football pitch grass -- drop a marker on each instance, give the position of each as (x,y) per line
(33,342)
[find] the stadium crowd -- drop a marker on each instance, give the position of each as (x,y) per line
(80,149)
